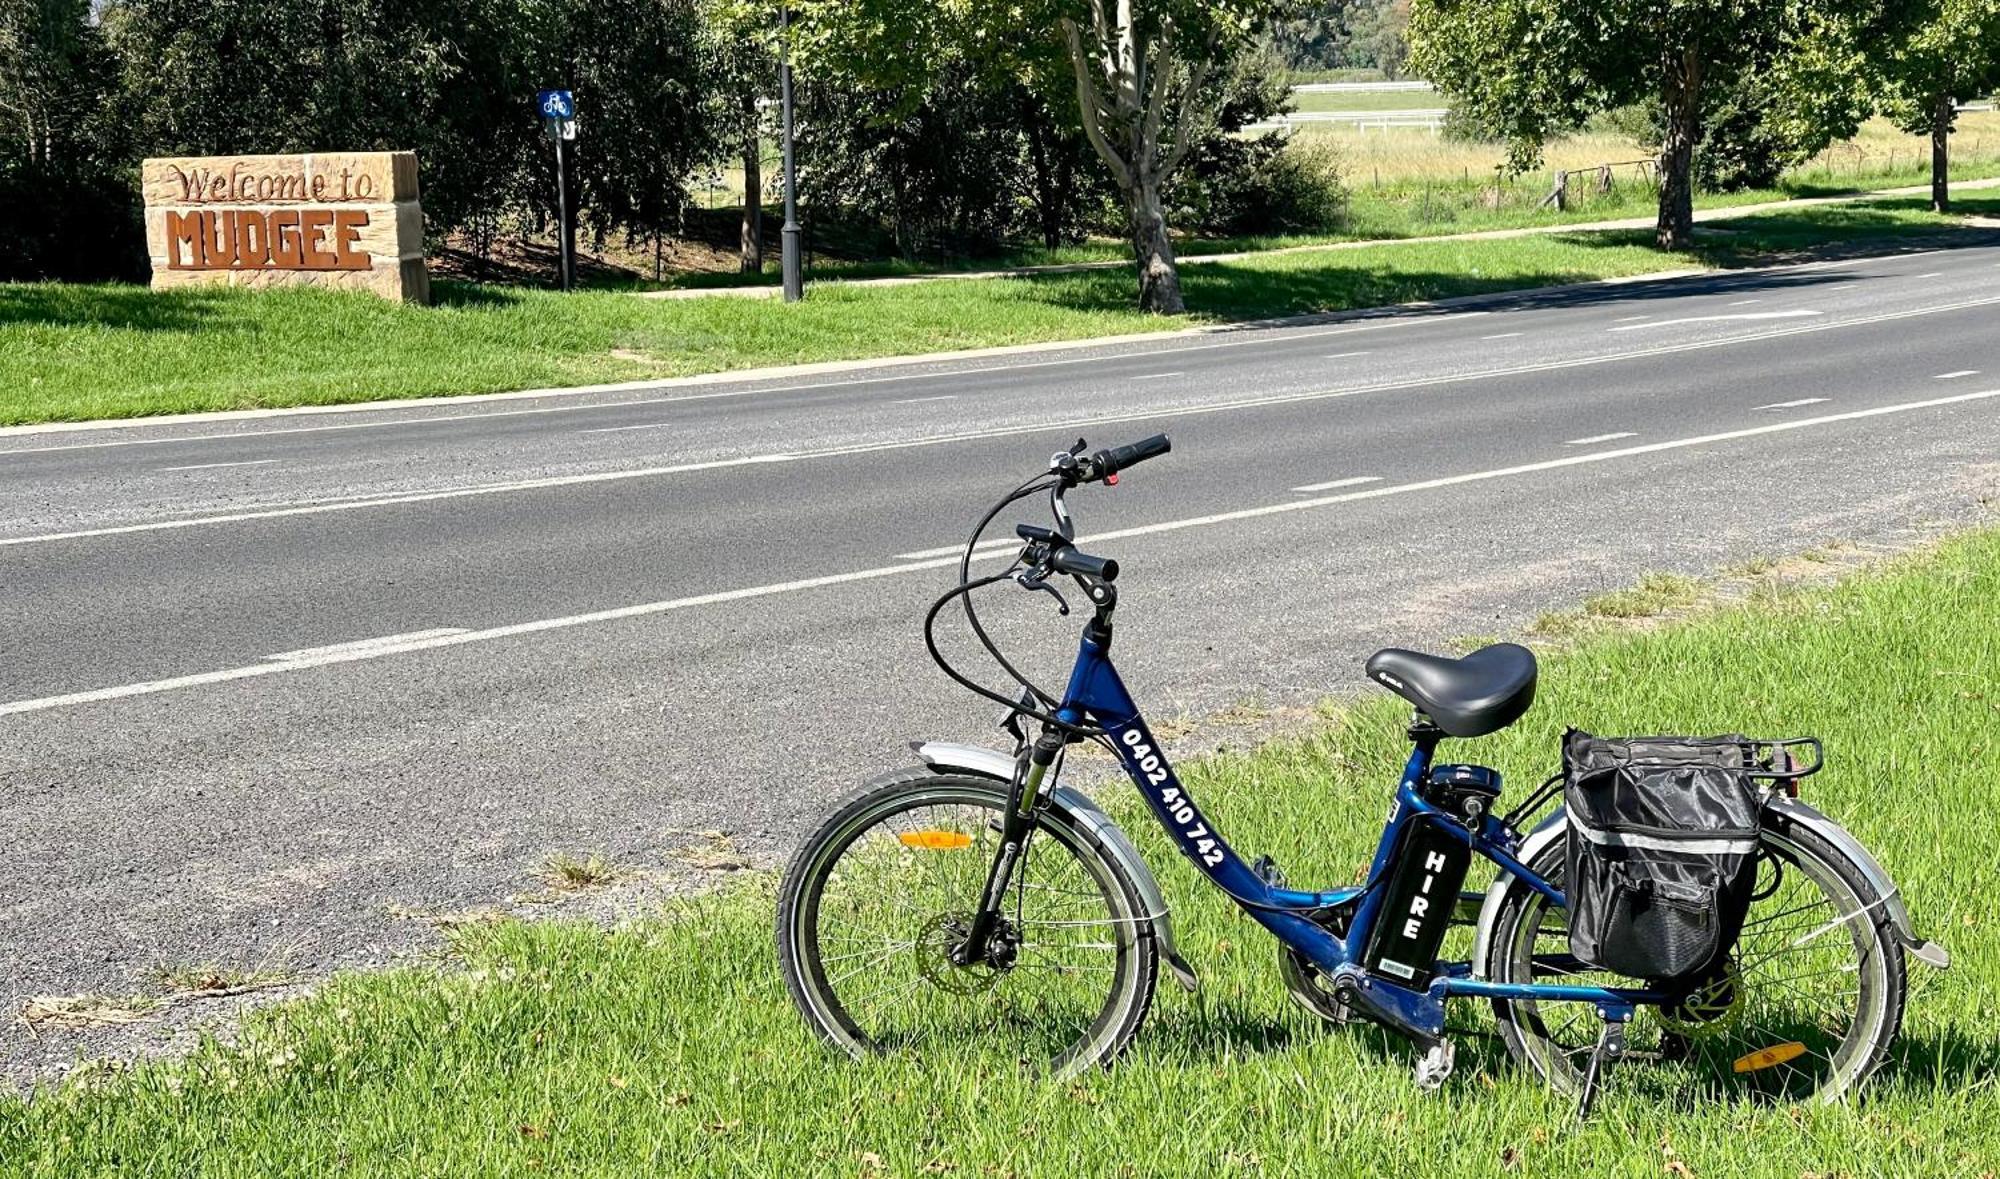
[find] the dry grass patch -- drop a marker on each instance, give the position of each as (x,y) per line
(85,1011)
(567,873)
(211,981)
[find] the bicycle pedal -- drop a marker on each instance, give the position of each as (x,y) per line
(1434,1065)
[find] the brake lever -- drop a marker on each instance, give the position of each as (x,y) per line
(1033,579)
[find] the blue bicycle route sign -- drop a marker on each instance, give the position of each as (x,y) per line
(556,104)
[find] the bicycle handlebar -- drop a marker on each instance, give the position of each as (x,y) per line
(1109,462)
(1072,561)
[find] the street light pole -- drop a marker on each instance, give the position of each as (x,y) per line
(794,269)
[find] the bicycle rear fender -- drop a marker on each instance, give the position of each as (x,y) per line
(1786,810)
(1077,806)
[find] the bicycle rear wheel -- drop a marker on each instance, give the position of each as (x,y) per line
(873,904)
(1803,1010)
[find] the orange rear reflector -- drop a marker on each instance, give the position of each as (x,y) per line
(936,840)
(1766,1057)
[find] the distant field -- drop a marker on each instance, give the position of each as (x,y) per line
(1367,100)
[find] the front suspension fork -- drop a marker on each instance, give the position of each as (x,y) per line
(1016,826)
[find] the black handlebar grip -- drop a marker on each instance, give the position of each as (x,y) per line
(1119,458)
(1071,561)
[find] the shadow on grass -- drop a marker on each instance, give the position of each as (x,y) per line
(126,308)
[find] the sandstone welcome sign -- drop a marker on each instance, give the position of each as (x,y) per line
(347,220)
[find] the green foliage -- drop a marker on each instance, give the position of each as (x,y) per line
(1944,50)
(1525,69)
(66,203)
(1371,35)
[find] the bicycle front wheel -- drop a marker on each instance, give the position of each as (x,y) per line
(1804,1008)
(873,905)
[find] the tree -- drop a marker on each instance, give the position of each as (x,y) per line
(738,38)
(1948,52)
(1140,68)
(1523,69)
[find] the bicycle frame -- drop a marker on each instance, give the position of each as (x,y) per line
(1097,694)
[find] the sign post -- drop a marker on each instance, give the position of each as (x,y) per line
(793,267)
(558,109)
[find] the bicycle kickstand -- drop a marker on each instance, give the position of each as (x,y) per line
(1610,1049)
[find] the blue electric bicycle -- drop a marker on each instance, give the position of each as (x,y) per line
(974,897)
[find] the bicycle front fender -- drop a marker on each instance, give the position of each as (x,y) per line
(980,762)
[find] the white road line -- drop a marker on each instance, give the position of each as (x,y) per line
(1157,376)
(1932,274)
(1065,425)
(1846,286)
(986,549)
(1595,438)
(1964,372)
(381,645)
(622,429)
(1794,404)
(1503,336)
(353,653)
(1343,355)
(212,466)
(921,400)
(1632,318)
(1411,319)
(1744,302)
(1740,315)
(1356,481)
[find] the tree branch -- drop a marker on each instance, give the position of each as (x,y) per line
(1087,102)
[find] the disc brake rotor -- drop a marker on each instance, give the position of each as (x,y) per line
(935,943)
(1711,1010)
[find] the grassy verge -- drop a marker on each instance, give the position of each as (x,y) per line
(668,1046)
(78,352)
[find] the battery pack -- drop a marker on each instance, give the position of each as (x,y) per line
(1423,891)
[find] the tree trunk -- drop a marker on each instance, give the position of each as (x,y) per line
(1941,119)
(1682,99)
(1159,277)
(752,239)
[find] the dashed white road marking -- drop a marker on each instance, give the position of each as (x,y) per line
(1353,481)
(1964,372)
(1932,274)
(1799,313)
(212,466)
(1744,302)
(1596,438)
(1846,286)
(1088,422)
(1503,335)
(921,400)
(1632,318)
(1157,376)
(1794,404)
(1343,355)
(363,650)
(381,645)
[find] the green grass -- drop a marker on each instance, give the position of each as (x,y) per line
(79,352)
(668,1046)
(1368,100)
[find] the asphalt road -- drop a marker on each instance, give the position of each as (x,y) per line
(269,680)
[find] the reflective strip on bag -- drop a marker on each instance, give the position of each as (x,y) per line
(1690,844)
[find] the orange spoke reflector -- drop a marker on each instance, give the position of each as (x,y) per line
(1766,1057)
(939,840)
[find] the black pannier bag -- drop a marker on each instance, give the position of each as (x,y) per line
(1662,851)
